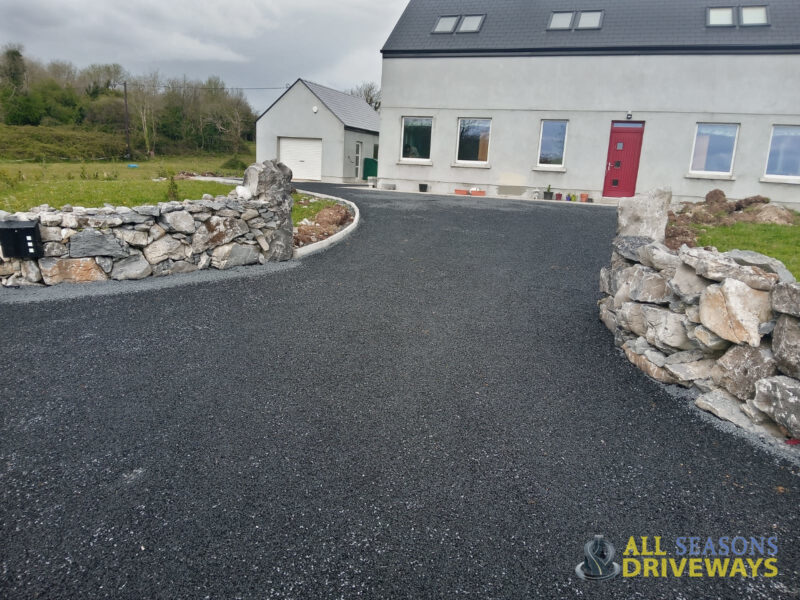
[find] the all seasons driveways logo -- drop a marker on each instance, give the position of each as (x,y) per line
(689,556)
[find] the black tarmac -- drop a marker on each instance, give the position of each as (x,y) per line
(430,409)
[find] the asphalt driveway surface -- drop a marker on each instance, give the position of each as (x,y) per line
(429,410)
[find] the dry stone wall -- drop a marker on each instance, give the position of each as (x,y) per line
(726,324)
(253,224)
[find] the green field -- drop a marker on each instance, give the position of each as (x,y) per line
(779,241)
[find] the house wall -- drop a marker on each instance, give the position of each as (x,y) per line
(350,138)
(671,94)
(292,116)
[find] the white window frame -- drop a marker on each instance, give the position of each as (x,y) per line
(571,13)
(472,163)
(778,178)
(415,161)
(463,20)
(577,20)
(546,166)
(714,174)
(733,11)
(746,6)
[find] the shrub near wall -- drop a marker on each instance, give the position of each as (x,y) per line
(727,324)
(253,224)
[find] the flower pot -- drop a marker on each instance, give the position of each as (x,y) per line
(584,197)
(559,196)
(477,193)
(423,187)
(547,195)
(461,192)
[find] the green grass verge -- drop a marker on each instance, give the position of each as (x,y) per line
(58,143)
(778,241)
(307,207)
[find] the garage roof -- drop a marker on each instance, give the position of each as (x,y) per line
(626,26)
(352,111)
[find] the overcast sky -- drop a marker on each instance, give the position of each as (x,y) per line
(248,43)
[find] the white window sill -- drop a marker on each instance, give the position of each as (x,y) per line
(471,165)
(553,169)
(717,176)
(776,179)
(418,163)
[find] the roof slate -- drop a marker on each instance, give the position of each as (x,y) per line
(633,26)
(354,112)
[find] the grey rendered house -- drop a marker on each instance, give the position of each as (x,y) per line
(603,97)
(322,134)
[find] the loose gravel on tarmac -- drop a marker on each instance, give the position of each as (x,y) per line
(430,409)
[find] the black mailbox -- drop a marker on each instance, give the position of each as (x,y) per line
(21,239)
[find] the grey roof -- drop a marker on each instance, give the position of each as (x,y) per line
(353,112)
(629,26)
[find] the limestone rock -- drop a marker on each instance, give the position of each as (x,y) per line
(649,368)
(179,220)
(648,285)
(133,267)
(779,397)
(204,262)
(103,221)
(753,413)
(688,372)
(55,249)
(249,214)
(644,216)
(693,313)
(719,268)
(766,263)
(724,406)
(708,341)
(70,270)
(91,242)
(105,263)
(50,219)
(741,366)
(628,246)
(50,234)
(30,271)
(665,329)
(156,232)
(659,257)
(166,248)
(685,356)
(734,311)
(234,255)
(9,267)
(786,345)
(630,316)
(687,285)
(785,298)
(138,239)
(607,315)
(150,211)
(183,266)
(281,244)
(218,231)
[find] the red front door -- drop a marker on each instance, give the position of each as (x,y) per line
(622,166)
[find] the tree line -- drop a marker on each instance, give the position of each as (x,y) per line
(165,115)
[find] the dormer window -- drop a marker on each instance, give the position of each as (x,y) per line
(589,19)
(561,20)
(753,15)
(446,24)
(471,23)
(720,17)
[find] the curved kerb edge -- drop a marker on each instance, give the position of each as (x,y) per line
(337,237)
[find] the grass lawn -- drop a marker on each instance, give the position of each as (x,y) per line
(91,184)
(779,241)
(307,207)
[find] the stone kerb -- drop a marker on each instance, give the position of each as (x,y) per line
(252,225)
(724,323)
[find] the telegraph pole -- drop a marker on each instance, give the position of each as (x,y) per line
(127,120)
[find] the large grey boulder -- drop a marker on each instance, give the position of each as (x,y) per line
(766,263)
(165,248)
(785,298)
(658,256)
(708,341)
(644,216)
(628,246)
(741,366)
(734,311)
(180,220)
(786,345)
(648,285)
(648,367)
(281,244)
(725,406)
(687,373)
(779,397)
(666,330)
(133,267)
(630,316)
(91,242)
(687,285)
(218,231)
(234,255)
(718,267)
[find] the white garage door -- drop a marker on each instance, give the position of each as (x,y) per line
(302,156)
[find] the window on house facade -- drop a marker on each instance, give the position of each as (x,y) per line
(714,147)
(471,24)
(417,138)
(560,20)
(753,15)
(589,19)
(473,140)
(784,151)
(552,143)
(720,17)
(446,24)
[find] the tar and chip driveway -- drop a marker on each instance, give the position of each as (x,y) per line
(431,409)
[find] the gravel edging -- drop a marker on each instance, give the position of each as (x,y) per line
(337,237)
